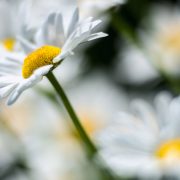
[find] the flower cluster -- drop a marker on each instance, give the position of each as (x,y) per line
(94,87)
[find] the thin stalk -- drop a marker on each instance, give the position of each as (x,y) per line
(86,140)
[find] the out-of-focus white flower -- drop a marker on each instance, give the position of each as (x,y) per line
(96,99)
(53,152)
(95,7)
(18,118)
(11,151)
(146,142)
(54,149)
(12,22)
(52,45)
(133,67)
(162,39)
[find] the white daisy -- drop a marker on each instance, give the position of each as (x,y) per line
(52,44)
(142,71)
(162,39)
(145,143)
(11,26)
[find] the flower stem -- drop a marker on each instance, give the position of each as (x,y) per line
(88,143)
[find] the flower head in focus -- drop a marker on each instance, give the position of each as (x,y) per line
(146,142)
(52,44)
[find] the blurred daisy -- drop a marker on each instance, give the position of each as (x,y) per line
(9,9)
(145,143)
(51,155)
(52,44)
(91,7)
(142,71)
(95,111)
(18,118)
(162,39)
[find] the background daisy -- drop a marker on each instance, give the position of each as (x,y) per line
(144,143)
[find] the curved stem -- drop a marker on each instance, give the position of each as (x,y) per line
(88,143)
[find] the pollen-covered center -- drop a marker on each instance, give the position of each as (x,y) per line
(38,58)
(169,150)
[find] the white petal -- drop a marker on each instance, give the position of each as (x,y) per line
(15,57)
(162,103)
(5,91)
(96,36)
(6,80)
(81,34)
(60,36)
(27,83)
(42,36)
(53,31)
(43,70)
(26,45)
(74,21)
(9,70)
(20,88)
(145,112)
(50,18)
(60,57)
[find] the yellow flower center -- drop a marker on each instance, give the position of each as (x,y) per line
(170,150)
(9,43)
(38,58)
(90,123)
(170,38)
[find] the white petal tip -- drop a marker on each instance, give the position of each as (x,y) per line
(9,103)
(97,36)
(104,35)
(57,59)
(12,99)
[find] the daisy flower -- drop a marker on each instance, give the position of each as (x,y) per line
(52,44)
(142,72)
(146,142)
(162,43)
(11,26)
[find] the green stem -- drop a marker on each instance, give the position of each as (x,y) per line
(88,143)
